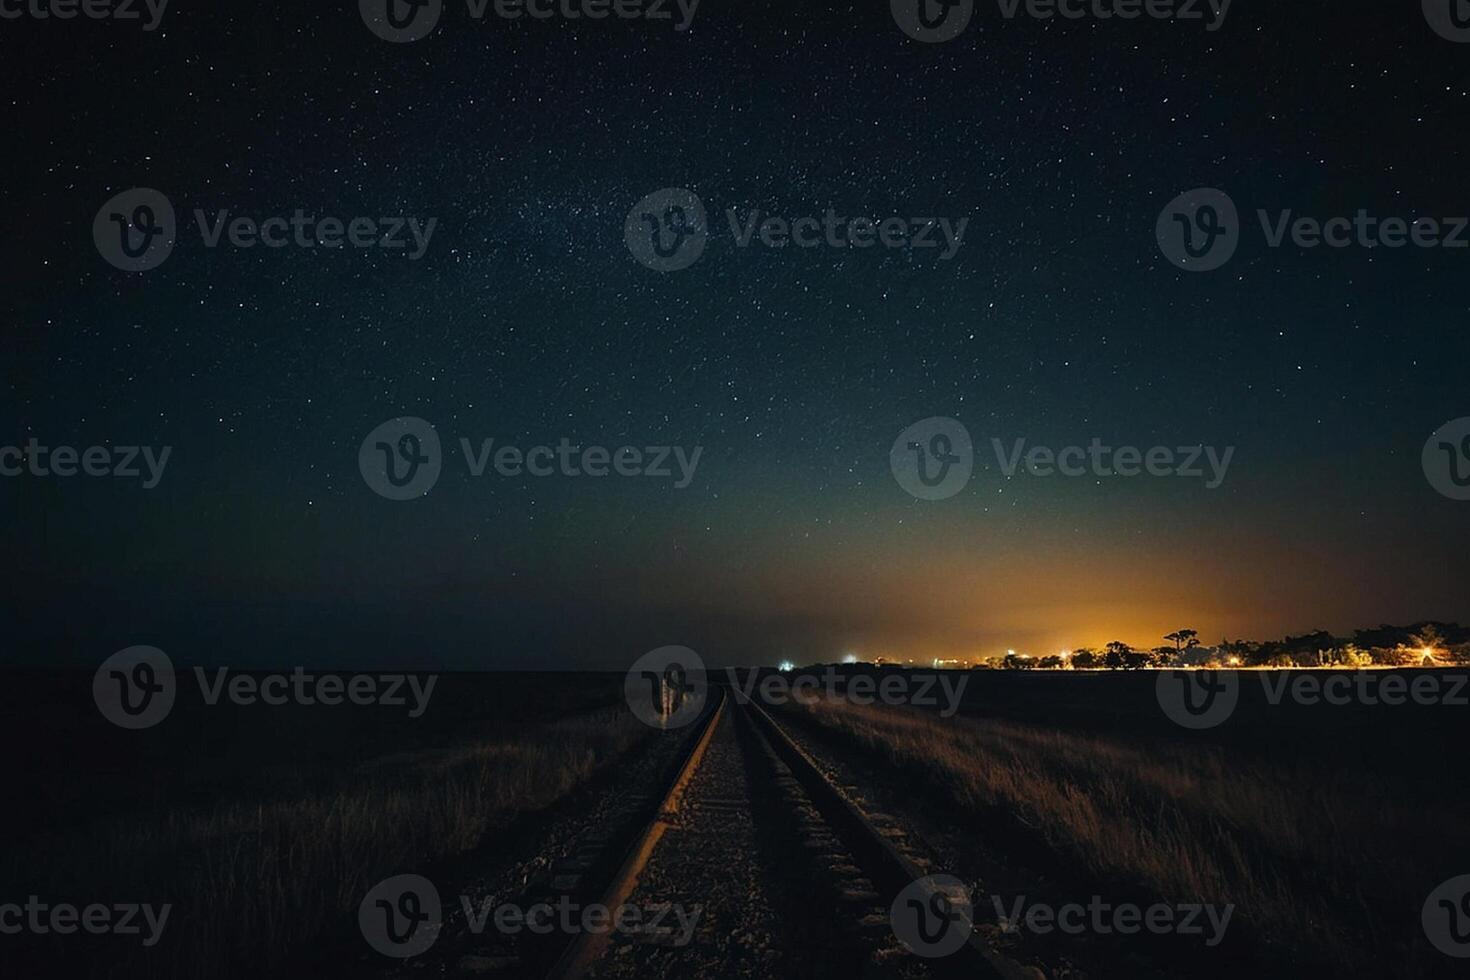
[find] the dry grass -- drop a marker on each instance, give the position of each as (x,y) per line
(251,883)
(1308,859)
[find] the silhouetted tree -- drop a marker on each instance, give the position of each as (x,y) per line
(1183,639)
(1239,653)
(1139,659)
(1117,652)
(1308,650)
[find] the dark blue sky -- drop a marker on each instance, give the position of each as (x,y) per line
(528,320)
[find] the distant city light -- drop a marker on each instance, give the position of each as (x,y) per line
(786,665)
(850,658)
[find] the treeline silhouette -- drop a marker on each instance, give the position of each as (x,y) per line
(1425,644)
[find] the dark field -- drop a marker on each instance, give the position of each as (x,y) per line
(1324,826)
(258,822)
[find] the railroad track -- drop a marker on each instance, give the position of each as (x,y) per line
(788,874)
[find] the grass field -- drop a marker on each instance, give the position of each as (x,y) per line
(1328,862)
(285,856)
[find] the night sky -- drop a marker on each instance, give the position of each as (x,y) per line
(528,320)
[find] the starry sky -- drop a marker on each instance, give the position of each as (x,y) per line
(528,320)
